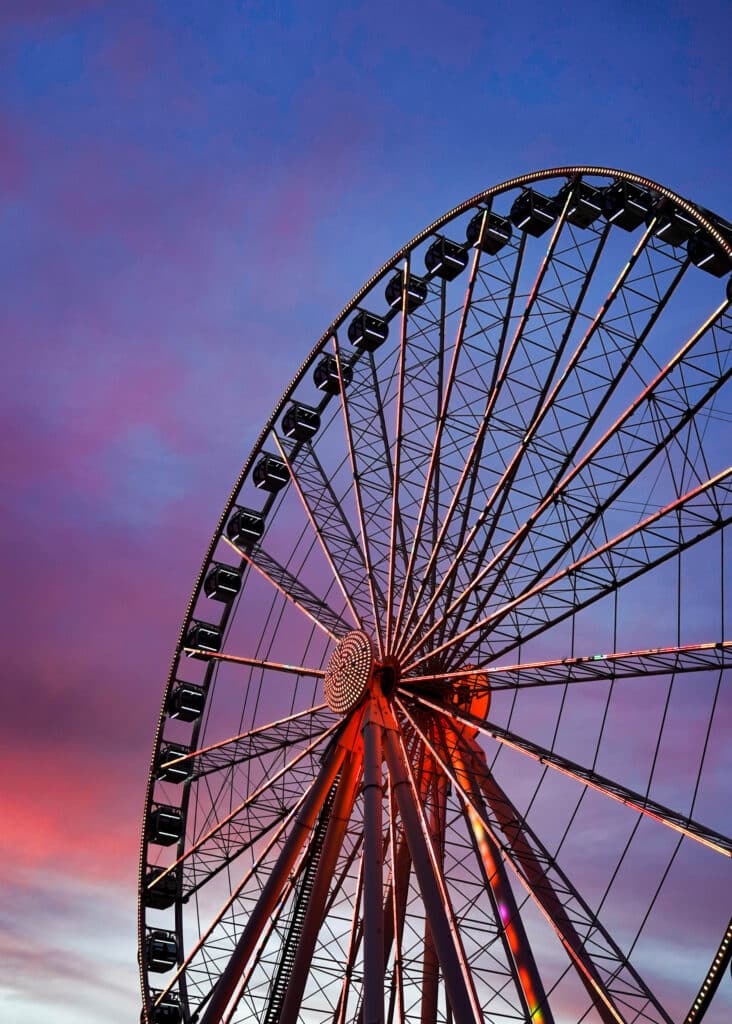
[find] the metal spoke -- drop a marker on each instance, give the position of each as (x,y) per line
(621,346)
(353,946)
(517,950)
(339,819)
(685,522)
(592,667)
(317,530)
(500,374)
(524,417)
(382,459)
(458,982)
(493,506)
(317,610)
(266,936)
(396,457)
(235,893)
(365,544)
(256,743)
(656,419)
(440,424)
(608,787)
(251,799)
(334,520)
(564,315)
(633,442)
(238,659)
(554,450)
(301,883)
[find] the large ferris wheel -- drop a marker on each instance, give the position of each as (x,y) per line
(443,738)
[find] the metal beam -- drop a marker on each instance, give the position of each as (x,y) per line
(686,521)
(337,825)
(611,979)
(373,887)
(458,982)
(301,828)
(600,783)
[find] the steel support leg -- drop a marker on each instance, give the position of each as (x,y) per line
(430,962)
(270,893)
(535,873)
(339,819)
(519,950)
(462,997)
(373,879)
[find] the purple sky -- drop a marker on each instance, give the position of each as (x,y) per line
(189,192)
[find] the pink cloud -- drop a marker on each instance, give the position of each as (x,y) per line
(48,792)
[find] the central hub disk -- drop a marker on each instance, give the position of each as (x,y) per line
(349,671)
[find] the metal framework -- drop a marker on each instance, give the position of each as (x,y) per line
(442,736)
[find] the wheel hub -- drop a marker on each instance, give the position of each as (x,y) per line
(349,671)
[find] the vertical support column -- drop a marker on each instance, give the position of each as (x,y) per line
(301,828)
(339,819)
(373,880)
(460,993)
(395,911)
(434,785)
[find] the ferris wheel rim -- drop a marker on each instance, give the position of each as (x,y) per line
(353,304)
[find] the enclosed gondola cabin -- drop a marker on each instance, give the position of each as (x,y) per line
(203,636)
(186,701)
(326,375)
(585,203)
(245,527)
(165,1009)
(367,332)
(446,259)
(673,225)
(300,422)
(627,205)
(161,890)
(704,254)
(270,473)
(416,291)
(169,767)
(534,213)
(497,232)
(161,950)
(165,825)
(222,583)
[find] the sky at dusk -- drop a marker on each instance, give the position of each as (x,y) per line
(189,193)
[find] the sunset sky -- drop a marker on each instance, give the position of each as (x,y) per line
(189,193)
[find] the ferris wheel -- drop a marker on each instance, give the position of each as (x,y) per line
(443,739)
